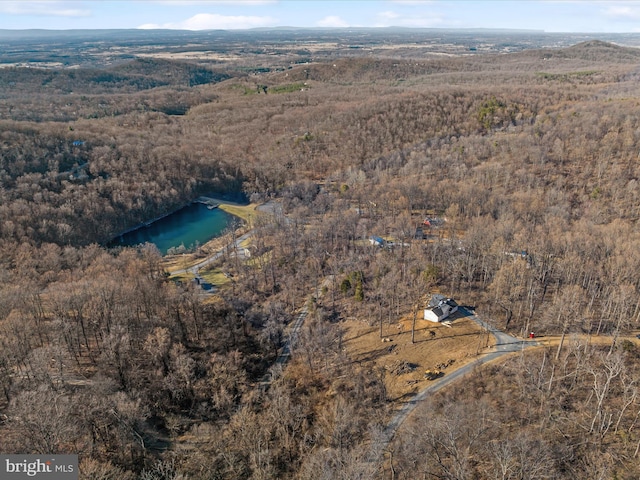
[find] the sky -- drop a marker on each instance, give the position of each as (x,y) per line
(598,16)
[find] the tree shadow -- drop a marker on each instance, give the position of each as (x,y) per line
(364,333)
(434,338)
(375,354)
(406,397)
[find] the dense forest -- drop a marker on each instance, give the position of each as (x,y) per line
(529,161)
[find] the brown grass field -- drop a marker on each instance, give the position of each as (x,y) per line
(461,343)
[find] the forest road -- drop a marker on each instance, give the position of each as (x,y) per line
(285,354)
(274,209)
(504,345)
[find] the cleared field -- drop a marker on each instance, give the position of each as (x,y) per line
(404,363)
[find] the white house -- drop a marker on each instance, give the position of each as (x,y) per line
(439,308)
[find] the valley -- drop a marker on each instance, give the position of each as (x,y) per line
(379,167)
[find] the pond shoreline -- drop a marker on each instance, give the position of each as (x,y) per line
(182,225)
(203,199)
(147,223)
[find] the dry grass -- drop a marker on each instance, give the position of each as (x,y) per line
(554,340)
(215,276)
(247,213)
(459,343)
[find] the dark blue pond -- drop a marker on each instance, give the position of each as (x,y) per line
(195,223)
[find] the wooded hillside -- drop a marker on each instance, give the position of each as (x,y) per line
(527,162)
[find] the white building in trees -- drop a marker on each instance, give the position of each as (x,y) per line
(439,308)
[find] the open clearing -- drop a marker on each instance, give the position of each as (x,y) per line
(403,362)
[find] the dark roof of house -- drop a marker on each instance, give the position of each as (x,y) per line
(436,300)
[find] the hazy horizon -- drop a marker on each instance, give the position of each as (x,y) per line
(537,15)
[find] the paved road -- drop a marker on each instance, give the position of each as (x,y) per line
(505,344)
(212,258)
(269,207)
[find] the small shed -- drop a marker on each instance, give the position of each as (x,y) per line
(439,308)
(377,241)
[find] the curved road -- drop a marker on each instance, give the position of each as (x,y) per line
(269,207)
(274,209)
(195,268)
(505,344)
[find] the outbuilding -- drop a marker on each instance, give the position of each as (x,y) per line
(377,241)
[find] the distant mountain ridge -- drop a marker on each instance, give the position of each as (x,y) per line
(598,50)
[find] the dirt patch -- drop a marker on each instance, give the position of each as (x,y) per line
(573,338)
(403,363)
